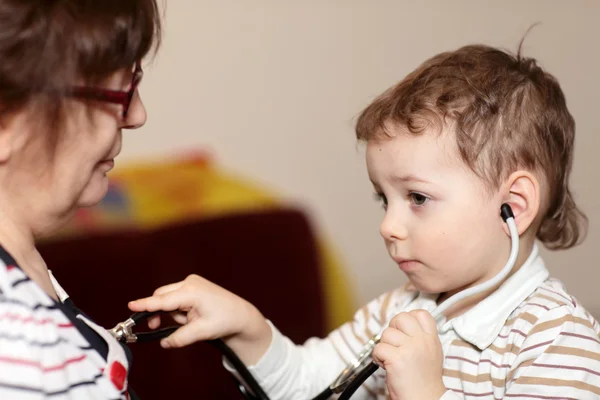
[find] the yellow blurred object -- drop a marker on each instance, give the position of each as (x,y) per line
(340,307)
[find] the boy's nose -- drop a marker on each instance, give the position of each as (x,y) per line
(392,228)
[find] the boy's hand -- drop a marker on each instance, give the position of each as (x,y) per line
(208,311)
(411,353)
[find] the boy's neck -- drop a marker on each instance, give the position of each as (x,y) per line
(526,247)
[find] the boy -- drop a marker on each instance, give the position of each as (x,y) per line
(466,132)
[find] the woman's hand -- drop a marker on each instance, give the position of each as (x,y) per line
(207,311)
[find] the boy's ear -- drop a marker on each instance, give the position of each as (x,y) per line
(522,193)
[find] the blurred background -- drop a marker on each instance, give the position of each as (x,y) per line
(272,89)
(252,107)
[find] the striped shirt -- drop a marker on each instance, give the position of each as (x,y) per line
(528,340)
(50,350)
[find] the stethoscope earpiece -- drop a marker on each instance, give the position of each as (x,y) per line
(506,212)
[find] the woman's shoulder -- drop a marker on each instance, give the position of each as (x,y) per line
(41,351)
(11,274)
(24,307)
(7,263)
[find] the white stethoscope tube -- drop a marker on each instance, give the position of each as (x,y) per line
(512,259)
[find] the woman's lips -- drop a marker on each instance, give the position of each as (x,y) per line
(107,164)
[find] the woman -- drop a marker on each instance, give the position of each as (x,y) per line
(69,72)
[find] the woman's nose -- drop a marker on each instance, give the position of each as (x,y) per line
(136,115)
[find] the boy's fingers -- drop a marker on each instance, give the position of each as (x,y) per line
(169,301)
(168,288)
(154,322)
(382,353)
(179,317)
(425,320)
(393,336)
(406,323)
(186,335)
(140,304)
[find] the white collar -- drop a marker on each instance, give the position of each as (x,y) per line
(482,324)
(62,295)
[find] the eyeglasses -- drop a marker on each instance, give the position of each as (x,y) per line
(112,96)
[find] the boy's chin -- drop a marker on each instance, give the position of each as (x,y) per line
(428,287)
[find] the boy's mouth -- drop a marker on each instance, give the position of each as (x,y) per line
(407,265)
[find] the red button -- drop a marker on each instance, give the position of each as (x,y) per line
(118,375)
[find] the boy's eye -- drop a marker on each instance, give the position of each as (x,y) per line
(380,197)
(418,199)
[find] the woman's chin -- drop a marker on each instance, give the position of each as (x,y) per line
(94,192)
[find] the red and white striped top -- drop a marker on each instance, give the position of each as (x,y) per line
(43,354)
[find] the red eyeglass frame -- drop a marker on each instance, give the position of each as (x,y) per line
(112,96)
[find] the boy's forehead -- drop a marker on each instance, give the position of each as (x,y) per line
(429,151)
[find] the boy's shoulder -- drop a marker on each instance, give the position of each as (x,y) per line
(551,315)
(384,307)
(550,345)
(548,312)
(549,297)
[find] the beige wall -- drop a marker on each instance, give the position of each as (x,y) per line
(273,87)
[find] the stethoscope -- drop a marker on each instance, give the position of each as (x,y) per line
(359,369)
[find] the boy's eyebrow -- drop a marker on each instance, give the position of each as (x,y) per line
(408,178)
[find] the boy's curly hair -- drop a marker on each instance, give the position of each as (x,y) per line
(507,114)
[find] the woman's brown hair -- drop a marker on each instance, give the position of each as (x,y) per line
(48,46)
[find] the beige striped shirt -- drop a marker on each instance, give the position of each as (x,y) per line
(529,339)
